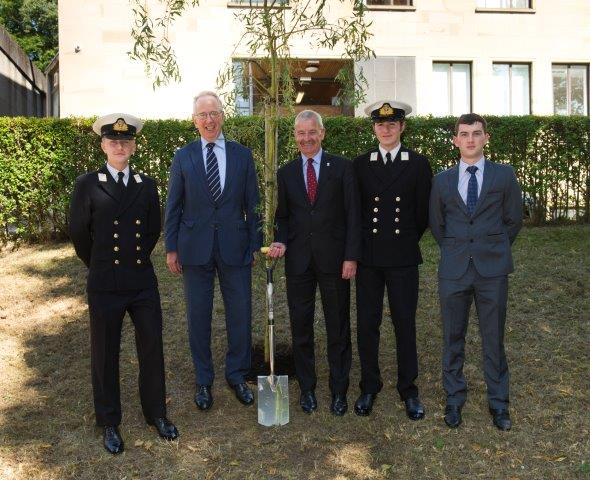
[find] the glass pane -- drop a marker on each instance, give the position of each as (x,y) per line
(520,3)
(461,88)
(440,89)
(520,90)
(578,93)
(559,89)
(501,90)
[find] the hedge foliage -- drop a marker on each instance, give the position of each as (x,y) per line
(41,158)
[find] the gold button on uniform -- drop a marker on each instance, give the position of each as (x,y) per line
(374,230)
(115,235)
(375,209)
(116,222)
(138,222)
(397,231)
(138,261)
(138,235)
(116,249)
(375,220)
(397,199)
(116,262)
(138,248)
(376,199)
(397,210)
(396,219)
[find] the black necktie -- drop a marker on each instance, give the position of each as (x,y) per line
(387,158)
(213,179)
(121,184)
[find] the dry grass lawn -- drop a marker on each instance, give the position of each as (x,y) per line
(46,417)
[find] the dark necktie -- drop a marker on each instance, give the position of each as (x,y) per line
(121,184)
(213,173)
(471,190)
(388,158)
(312,181)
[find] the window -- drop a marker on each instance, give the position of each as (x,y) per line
(451,89)
(504,4)
(511,91)
(390,3)
(570,89)
(257,3)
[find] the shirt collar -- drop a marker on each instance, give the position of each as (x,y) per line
(479,164)
(114,172)
(393,152)
(317,158)
(219,142)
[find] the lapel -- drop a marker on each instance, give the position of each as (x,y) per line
(453,179)
(131,192)
(110,186)
(297,174)
(489,172)
(196,158)
(231,169)
(325,174)
(398,167)
(379,171)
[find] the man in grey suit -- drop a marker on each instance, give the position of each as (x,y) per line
(212,226)
(475,215)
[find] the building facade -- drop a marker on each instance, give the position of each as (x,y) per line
(444,57)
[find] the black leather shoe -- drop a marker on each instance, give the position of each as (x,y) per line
(453,416)
(165,428)
(364,404)
(203,397)
(414,408)
(501,419)
(112,440)
(243,393)
(308,401)
(339,404)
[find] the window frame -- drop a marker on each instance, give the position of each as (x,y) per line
(450,63)
(568,89)
(529,9)
(393,8)
(528,64)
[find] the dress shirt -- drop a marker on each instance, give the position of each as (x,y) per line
(219,150)
(115,173)
(464,177)
(317,161)
(393,152)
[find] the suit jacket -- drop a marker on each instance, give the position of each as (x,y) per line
(192,217)
(327,231)
(114,235)
(487,235)
(394,206)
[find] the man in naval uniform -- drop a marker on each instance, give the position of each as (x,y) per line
(394,184)
(114,226)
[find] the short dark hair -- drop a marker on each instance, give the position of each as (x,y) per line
(470,119)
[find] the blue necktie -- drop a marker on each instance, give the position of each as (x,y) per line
(471,189)
(213,173)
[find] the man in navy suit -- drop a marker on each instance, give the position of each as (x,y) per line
(475,215)
(212,226)
(318,228)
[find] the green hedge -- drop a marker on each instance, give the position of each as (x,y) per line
(40,159)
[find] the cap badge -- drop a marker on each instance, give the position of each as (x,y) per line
(120,126)
(386,110)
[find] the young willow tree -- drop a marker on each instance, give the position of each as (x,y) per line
(270,28)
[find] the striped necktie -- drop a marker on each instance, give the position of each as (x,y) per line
(213,179)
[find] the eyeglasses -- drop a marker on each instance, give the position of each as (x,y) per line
(203,115)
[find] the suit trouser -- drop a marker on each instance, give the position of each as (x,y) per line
(490,296)
(335,294)
(235,283)
(402,294)
(107,310)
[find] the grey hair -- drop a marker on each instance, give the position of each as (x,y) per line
(207,93)
(309,115)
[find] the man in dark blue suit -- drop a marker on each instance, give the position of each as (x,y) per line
(212,226)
